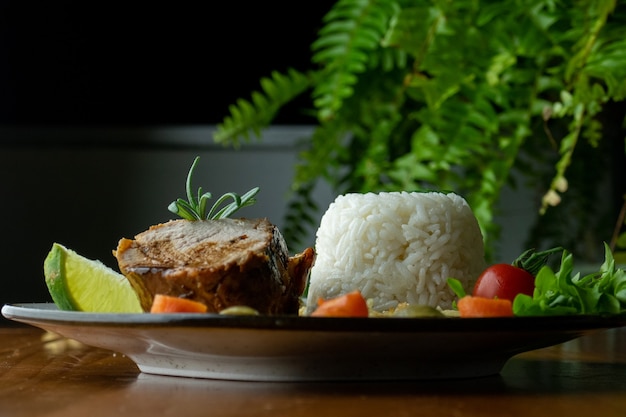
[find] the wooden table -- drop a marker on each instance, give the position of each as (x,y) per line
(42,374)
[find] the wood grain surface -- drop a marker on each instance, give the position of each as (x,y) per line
(42,374)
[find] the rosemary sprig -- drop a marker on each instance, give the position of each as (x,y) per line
(195,207)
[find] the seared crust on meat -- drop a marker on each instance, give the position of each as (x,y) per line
(221,263)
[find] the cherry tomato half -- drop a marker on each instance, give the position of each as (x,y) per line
(504,281)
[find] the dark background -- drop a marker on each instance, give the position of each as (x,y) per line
(153,63)
(82,83)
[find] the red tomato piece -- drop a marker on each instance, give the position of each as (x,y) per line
(504,281)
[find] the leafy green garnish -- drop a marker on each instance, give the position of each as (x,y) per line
(458,290)
(563,292)
(456,287)
(194,208)
(532,261)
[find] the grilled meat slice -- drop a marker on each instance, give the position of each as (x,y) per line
(221,263)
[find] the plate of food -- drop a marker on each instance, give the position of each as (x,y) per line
(381,296)
(292,348)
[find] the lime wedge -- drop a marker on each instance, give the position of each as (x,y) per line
(80,284)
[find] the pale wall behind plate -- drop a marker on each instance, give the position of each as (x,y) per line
(87,188)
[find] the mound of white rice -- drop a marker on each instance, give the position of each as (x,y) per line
(396,247)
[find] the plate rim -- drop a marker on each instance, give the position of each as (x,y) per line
(159,343)
(47,312)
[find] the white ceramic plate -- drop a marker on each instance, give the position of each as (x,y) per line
(291,348)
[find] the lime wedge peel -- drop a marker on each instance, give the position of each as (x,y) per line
(80,284)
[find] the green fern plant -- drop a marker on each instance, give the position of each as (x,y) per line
(618,241)
(252,116)
(446,95)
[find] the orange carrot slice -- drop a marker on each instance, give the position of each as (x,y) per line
(470,306)
(348,305)
(169,304)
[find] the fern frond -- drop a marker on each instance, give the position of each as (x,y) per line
(594,18)
(414,94)
(353,28)
(320,160)
(247,117)
(607,62)
(598,57)
(388,59)
(322,157)
(300,217)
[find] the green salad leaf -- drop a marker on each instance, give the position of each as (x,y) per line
(564,292)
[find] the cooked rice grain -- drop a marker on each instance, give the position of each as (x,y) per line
(396,247)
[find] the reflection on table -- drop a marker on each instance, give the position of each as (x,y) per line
(46,375)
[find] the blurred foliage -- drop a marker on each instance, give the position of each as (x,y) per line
(618,242)
(453,95)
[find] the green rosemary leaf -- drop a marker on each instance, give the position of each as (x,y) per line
(183,209)
(248,198)
(190,195)
(238,202)
(195,207)
(202,203)
(214,214)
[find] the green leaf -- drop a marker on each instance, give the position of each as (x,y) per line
(501,88)
(456,286)
(352,30)
(195,208)
(562,292)
(247,119)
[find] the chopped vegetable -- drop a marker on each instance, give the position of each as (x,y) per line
(470,306)
(505,281)
(562,292)
(239,311)
(195,206)
(348,305)
(170,304)
(413,311)
(559,293)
